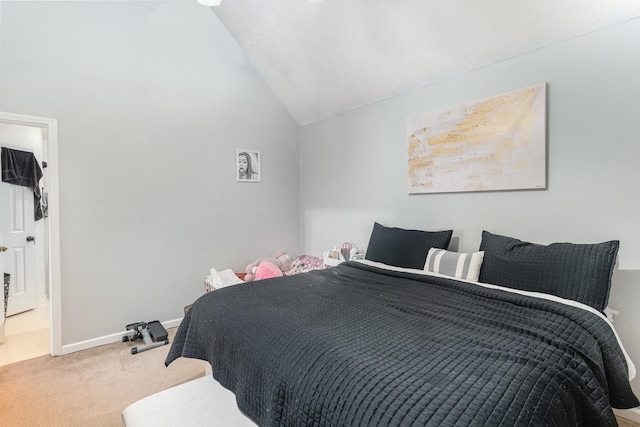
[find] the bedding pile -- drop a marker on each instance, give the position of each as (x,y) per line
(220,279)
(360,345)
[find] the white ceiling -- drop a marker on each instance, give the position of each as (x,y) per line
(327,58)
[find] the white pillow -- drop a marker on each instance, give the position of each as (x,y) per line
(454,264)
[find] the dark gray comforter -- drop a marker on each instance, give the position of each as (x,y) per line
(359,346)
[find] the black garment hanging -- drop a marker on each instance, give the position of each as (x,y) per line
(22,168)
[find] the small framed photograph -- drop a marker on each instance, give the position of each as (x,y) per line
(248,165)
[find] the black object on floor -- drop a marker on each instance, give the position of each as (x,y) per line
(153,334)
(7,281)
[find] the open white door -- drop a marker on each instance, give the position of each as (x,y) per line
(50,126)
(18,229)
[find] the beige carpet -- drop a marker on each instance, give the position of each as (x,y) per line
(87,388)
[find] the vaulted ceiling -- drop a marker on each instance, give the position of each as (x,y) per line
(325,58)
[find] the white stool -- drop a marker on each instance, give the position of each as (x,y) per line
(201,402)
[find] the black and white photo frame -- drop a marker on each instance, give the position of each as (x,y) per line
(248,165)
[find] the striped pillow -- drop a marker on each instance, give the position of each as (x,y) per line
(454,264)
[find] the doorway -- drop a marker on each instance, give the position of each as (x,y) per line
(50,252)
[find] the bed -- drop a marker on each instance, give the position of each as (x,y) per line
(426,342)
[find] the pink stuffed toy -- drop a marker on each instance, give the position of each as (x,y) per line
(267,270)
(280,259)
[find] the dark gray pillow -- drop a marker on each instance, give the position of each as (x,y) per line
(581,272)
(404,248)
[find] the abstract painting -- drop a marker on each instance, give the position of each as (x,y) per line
(497,143)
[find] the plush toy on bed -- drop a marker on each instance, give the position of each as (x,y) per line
(266,267)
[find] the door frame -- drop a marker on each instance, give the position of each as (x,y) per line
(55,312)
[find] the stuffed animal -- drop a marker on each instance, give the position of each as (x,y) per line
(280,259)
(267,270)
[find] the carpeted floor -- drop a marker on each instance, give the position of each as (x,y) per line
(87,388)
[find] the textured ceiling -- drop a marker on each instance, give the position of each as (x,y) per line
(327,58)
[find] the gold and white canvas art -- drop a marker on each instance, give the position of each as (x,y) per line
(497,143)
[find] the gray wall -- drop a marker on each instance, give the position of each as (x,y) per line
(354,166)
(152,99)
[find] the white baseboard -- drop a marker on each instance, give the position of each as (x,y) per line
(108,339)
(632,414)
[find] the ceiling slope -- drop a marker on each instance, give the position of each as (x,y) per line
(328,58)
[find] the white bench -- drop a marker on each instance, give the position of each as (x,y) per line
(200,402)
